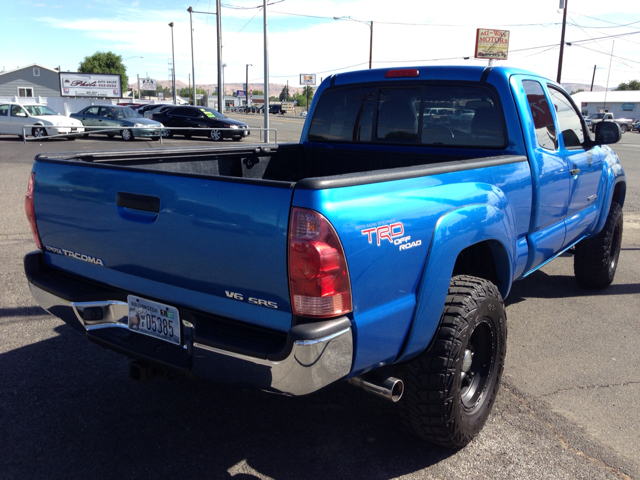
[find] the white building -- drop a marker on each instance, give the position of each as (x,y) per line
(623,104)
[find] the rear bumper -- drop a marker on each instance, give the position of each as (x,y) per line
(307,358)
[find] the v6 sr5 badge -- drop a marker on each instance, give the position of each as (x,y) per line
(393,233)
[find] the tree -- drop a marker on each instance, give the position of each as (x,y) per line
(632,85)
(105,62)
(284,95)
(301,99)
(577,91)
(257,92)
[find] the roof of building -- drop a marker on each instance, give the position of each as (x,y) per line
(622,96)
(30,66)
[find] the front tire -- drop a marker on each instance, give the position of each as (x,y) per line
(596,259)
(451,388)
(623,128)
(127,135)
(39,132)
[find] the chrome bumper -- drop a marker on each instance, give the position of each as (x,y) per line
(318,354)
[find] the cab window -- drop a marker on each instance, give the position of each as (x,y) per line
(541,114)
(568,119)
(4,110)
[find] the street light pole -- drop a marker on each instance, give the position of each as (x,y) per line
(193,68)
(370,25)
(219,31)
(246,88)
(173,66)
(266,74)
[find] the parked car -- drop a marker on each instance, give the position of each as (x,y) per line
(193,121)
(303,113)
(133,106)
(277,109)
(45,121)
(147,111)
(130,124)
(636,126)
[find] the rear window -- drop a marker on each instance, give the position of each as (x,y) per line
(430,115)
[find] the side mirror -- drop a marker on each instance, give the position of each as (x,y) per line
(607,132)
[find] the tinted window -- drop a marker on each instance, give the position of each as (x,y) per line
(91,111)
(398,114)
(344,115)
(568,119)
(185,112)
(435,115)
(541,114)
(4,110)
(18,111)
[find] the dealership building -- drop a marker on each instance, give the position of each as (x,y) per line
(623,104)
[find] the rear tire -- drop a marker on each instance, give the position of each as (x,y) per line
(39,132)
(596,259)
(451,388)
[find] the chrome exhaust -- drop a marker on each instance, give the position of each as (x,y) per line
(389,388)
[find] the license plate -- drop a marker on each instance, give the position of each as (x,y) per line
(157,320)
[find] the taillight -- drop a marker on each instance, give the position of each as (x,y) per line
(318,275)
(31,215)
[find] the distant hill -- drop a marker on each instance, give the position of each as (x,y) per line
(274,88)
(574,87)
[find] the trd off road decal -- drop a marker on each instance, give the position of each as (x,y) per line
(393,232)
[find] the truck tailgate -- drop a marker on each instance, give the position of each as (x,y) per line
(204,242)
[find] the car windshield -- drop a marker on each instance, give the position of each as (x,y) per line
(211,113)
(37,110)
(597,116)
(126,113)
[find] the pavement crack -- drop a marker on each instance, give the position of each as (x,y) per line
(587,387)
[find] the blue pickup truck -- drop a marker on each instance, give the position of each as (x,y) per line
(378,250)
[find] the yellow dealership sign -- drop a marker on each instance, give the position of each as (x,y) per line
(492,44)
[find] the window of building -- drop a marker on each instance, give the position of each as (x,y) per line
(36,72)
(25,91)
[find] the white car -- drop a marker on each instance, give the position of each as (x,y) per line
(42,120)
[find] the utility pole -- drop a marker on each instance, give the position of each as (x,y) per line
(246,88)
(370,45)
(193,68)
(565,5)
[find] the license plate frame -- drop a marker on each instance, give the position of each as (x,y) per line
(154,319)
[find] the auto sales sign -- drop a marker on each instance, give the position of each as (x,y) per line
(492,44)
(97,85)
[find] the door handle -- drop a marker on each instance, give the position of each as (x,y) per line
(136,201)
(574,171)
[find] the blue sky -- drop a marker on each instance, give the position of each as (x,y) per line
(304,37)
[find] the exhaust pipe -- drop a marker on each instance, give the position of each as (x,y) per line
(389,388)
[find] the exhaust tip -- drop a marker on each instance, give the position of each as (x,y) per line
(389,388)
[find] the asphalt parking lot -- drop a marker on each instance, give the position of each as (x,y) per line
(568,406)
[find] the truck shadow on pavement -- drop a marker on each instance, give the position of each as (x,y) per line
(542,285)
(70,411)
